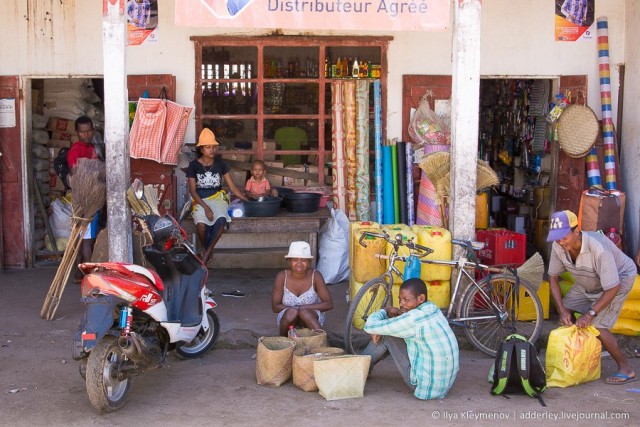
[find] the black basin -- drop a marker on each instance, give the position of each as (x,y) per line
(282,191)
(302,202)
(270,206)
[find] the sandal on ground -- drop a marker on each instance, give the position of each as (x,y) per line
(235,293)
(619,378)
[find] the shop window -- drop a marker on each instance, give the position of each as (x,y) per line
(270,97)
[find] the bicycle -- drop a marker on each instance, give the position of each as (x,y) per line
(488,310)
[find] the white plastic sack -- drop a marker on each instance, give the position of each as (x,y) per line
(60,218)
(334,248)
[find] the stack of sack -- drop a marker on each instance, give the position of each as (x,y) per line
(40,165)
(72,98)
(629,321)
(313,365)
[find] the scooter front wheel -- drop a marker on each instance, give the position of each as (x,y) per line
(106,392)
(203,341)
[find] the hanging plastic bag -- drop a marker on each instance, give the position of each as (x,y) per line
(334,248)
(426,127)
(573,356)
(147,130)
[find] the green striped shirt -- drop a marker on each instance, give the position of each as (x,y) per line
(431,346)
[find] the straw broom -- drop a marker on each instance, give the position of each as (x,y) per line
(532,271)
(89,195)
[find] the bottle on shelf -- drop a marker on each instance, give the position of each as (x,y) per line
(345,68)
(355,71)
(326,68)
(293,333)
(338,68)
(364,69)
(614,236)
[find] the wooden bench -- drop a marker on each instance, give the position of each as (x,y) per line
(263,242)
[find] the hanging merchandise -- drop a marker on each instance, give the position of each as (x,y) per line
(377,111)
(577,130)
(601,210)
(605,96)
(560,105)
(388,211)
(409,175)
(362,151)
(349,98)
(426,127)
(145,138)
(337,152)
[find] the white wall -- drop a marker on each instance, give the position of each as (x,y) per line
(517,40)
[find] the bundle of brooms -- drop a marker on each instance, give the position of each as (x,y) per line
(89,195)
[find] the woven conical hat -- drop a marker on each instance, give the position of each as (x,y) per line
(577,130)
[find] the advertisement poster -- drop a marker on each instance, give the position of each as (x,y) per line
(379,15)
(142,22)
(574,19)
(7,113)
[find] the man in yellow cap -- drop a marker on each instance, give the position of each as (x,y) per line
(206,175)
(603,276)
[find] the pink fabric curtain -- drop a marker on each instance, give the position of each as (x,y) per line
(349,96)
(337,152)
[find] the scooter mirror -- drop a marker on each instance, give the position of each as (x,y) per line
(138,189)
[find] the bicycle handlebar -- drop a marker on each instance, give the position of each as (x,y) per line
(397,242)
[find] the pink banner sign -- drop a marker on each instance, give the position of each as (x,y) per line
(379,15)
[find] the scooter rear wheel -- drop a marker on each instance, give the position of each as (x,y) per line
(203,341)
(106,392)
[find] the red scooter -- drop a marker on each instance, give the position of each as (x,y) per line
(134,316)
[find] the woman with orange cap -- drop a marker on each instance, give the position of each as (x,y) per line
(206,176)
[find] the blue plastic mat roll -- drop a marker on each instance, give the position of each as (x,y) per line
(410,205)
(402,181)
(394,177)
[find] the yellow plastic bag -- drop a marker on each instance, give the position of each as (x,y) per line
(573,356)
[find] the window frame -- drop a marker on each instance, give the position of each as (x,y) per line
(258,77)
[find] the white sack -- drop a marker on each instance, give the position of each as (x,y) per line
(334,248)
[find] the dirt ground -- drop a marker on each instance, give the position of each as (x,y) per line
(40,383)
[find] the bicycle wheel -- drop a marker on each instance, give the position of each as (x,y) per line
(519,314)
(371,297)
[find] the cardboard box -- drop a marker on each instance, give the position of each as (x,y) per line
(274,179)
(517,223)
(58,143)
(61,125)
(237,157)
(266,146)
(295,182)
(65,136)
(239,178)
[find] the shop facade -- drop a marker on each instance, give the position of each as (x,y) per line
(55,40)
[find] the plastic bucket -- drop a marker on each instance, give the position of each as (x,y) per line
(438,239)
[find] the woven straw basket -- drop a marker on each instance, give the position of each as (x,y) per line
(578,129)
(273,360)
(341,377)
(310,338)
(302,365)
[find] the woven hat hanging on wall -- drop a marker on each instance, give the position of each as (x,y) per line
(577,130)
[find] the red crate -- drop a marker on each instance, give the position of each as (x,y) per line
(502,247)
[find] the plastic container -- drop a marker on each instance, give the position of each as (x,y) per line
(439,292)
(438,239)
(270,206)
(614,237)
(502,247)
(406,232)
(526,309)
(362,261)
(292,333)
(482,211)
(302,202)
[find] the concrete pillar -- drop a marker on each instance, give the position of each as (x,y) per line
(116,131)
(464,117)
